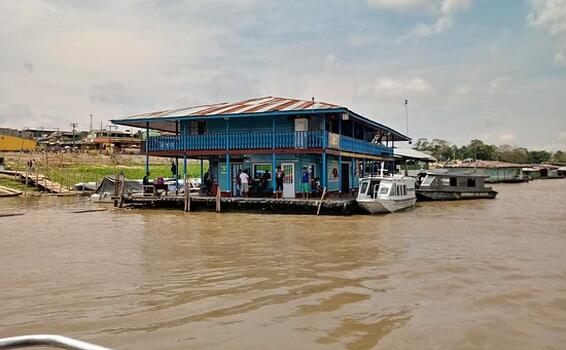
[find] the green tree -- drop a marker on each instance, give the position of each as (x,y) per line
(539,157)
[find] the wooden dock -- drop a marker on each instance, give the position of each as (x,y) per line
(37,180)
(337,206)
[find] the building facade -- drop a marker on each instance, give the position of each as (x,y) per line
(337,145)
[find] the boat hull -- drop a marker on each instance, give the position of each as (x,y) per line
(381,206)
(435,195)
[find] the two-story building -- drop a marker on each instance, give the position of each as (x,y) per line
(336,144)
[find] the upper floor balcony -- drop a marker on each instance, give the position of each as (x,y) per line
(264,140)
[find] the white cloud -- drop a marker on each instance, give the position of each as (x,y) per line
(401,88)
(507,138)
(550,16)
(398,5)
(332,62)
(443,11)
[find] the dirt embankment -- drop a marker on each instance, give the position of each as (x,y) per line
(19,160)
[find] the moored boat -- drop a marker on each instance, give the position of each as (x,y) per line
(445,185)
(386,194)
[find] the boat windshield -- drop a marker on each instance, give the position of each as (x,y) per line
(364,187)
(428,180)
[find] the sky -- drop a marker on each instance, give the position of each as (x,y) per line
(494,70)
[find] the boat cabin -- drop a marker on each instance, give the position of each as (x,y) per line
(451,181)
(378,187)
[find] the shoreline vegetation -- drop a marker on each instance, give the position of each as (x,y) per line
(445,151)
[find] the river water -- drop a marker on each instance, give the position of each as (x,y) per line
(487,274)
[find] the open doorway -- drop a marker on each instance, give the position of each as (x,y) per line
(345,186)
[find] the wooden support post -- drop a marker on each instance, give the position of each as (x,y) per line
(320,202)
(187,194)
(122,188)
(26,188)
(218,196)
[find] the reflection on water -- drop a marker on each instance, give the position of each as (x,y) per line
(474,274)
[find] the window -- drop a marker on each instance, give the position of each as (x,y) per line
(453,182)
(383,190)
(428,181)
(261,169)
(198,127)
(471,182)
(364,187)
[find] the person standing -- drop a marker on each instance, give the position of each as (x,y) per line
(245,183)
(239,184)
(306,182)
(279,177)
(174,169)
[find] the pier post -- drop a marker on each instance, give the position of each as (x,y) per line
(177,158)
(273,172)
(324,170)
(228,176)
(340,174)
(147,147)
(202,172)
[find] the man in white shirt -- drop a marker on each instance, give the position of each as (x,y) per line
(245,180)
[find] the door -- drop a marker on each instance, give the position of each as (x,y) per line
(345,178)
(289,180)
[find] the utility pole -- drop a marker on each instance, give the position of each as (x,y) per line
(407,116)
(74,126)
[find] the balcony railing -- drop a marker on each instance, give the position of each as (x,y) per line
(264,140)
(360,146)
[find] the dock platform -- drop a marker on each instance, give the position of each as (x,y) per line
(336,206)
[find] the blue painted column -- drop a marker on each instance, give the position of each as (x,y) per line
(324,146)
(147,147)
(340,156)
(202,171)
(273,163)
(353,171)
(178,146)
(228,175)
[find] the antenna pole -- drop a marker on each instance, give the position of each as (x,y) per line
(407,116)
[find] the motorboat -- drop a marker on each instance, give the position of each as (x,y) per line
(448,185)
(386,194)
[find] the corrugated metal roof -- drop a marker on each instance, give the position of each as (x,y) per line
(488,164)
(411,153)
(256,105)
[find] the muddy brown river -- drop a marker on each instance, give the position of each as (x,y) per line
(486,274)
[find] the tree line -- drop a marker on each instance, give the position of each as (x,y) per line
(444,151)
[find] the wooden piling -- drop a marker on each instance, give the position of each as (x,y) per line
(122,188)
(320,202)
(187,194)
(218,196)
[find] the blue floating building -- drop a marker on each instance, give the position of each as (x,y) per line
(338,145)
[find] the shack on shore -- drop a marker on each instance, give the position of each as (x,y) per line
(337,145)
(496,171)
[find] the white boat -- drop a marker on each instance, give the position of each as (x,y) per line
(386,194)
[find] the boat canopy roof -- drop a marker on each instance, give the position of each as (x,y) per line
(451,173)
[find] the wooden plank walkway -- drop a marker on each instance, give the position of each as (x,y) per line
(36,179)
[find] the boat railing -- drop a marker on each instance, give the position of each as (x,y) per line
(49,340)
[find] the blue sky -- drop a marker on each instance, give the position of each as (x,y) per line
(494,70)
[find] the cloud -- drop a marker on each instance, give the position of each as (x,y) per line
(29,67)
(507,138)
(443,11)
(111,92)
(398,5)
(331,62)
(400,88)
(550,16)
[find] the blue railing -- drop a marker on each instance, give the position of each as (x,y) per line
(359,146)
(252,140)
(262,140)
